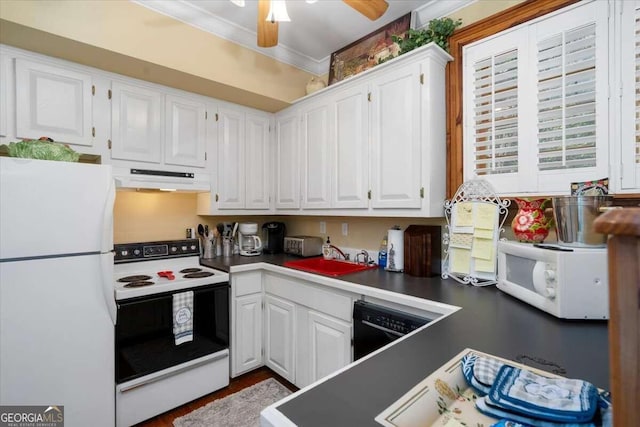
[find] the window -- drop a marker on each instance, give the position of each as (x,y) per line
(536,103)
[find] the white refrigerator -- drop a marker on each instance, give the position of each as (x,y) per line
(57,309)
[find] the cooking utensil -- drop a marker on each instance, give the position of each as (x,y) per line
(200,230)
(206,230)
(574,216)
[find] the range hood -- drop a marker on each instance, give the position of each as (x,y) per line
(161,180)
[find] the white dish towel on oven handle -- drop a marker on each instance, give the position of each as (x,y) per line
(183,317)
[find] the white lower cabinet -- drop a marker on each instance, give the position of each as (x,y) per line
(279,336)
(247,354)
(246,322)
(324,346)
(299,329)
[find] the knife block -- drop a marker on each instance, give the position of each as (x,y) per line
(423,250)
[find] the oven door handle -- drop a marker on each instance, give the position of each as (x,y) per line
(213,358)
(382,328)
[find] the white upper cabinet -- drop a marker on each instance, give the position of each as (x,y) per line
(373,145)
(185,143)
(136,123)
(243,159)
(628,38)
(349,126)
(54,102)
(395,139)
(257,160)
(4,98)
(287,161)
(536,103)
(315,155)
(231,152)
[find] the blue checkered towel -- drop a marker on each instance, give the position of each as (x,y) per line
(480,372)
(552,399)
(183,317)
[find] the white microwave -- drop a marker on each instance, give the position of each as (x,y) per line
(570,283)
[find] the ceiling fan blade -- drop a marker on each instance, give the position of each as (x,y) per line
(267,31)
(372,9)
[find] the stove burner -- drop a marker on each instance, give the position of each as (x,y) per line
(139,283)
(137,278)
(190,270)
(198,275)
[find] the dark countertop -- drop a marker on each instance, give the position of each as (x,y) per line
(489,321)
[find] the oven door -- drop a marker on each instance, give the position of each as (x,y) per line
(144,331)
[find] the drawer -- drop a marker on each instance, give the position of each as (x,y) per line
(310,295)
(245,283)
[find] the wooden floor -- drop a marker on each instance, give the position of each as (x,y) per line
(235,385)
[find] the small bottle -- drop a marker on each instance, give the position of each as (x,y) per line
(326,249)
(382,253)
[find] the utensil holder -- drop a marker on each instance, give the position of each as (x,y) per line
(209,249)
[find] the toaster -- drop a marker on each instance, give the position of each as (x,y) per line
(305,246)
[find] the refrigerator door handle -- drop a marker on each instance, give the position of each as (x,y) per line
(107,285)
(107,218)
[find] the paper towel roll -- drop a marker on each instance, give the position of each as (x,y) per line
(395,250)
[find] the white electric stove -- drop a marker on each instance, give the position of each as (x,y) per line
(158,285)
(156,267)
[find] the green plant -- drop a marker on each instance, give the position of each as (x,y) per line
(438,31)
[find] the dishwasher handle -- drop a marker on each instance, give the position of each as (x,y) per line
(382,328)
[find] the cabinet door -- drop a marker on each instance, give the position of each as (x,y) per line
(330,345)
(287,163)
(247,346)
(279,336)
(185,132)
(395,139)
(4,87)
(231,183)
(54,102)
(315,155)
(350,137)
(136,117)
(257,157)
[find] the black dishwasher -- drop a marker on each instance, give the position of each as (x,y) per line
(375,326)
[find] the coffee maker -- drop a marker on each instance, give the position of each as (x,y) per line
(273,237)
(248,240)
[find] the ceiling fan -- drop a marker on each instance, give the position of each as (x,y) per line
(268,27)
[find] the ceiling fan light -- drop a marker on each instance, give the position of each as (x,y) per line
(278,12)
(239,3)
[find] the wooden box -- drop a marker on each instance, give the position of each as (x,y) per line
(423,250)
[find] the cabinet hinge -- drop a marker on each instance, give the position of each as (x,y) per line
(369,96)
(109,144)
(421,78)
(93,90)
(217,198)
(369,194)
(422,192)
(262,352)
(109,94)
(216,117)
(205,156)
(206,115)
(93,131)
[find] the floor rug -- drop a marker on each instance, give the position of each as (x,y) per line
(236,410)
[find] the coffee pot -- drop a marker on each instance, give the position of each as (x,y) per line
(248,239)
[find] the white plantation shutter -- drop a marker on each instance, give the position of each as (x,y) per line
(630,95)
(637,84)
(495,100)
(536,103)
(567,99)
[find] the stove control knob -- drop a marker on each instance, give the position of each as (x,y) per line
(136,252)
(193,247)
(174,249)
(184,249)
(124,252)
